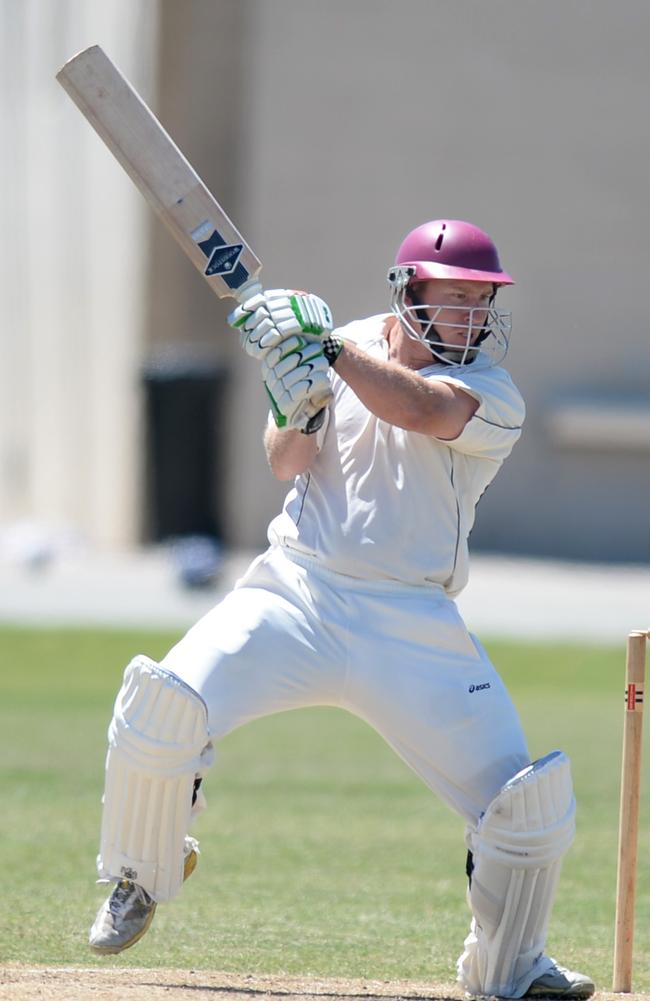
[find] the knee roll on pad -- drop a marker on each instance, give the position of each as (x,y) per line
(158,746)
(517,854)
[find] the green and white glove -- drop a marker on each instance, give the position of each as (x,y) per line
(296,379)
(266,319)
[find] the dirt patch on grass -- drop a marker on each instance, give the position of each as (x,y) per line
(24,983)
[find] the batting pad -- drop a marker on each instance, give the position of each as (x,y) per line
(158,743)
(518,849)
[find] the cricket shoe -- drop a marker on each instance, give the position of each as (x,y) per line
(559,982)
(126,915)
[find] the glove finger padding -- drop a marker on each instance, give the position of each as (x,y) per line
(291,353)
(258,332)
(269,317)
(309,313)
(312,312)
(297,386)
(291,414)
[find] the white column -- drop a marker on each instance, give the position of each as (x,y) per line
(71,278)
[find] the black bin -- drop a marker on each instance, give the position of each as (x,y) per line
(183,415)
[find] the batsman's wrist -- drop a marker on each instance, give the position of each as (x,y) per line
(332,347)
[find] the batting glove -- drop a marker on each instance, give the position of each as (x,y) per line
(266,319)
(296,380)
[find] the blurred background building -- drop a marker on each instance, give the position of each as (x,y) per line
(328,130)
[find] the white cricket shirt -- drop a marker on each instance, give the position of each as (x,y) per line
(382,503)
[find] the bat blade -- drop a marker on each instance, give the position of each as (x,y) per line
(167,180)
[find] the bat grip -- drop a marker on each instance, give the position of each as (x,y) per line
(250,288)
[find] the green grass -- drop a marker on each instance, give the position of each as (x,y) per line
(322,854)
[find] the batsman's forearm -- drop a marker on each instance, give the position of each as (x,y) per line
(394,393)
(289,453)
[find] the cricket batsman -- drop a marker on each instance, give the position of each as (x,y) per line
(389,430)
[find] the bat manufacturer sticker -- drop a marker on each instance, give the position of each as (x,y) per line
(223,258)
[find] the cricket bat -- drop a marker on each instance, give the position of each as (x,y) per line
(167,180)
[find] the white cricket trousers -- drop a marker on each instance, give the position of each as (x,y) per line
(294,634)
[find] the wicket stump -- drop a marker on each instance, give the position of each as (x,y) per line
(628,833)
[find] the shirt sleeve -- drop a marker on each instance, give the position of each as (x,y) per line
(495,427)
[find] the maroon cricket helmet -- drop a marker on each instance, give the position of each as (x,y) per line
(449,248)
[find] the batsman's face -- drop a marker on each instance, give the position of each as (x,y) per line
(455,306)
(455,320)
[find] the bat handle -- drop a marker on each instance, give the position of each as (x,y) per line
(250,288)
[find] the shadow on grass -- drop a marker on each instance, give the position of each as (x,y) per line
(297,993)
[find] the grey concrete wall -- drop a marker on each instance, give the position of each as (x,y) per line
(71,274)
(529,119)
(328,130)
(363,119)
